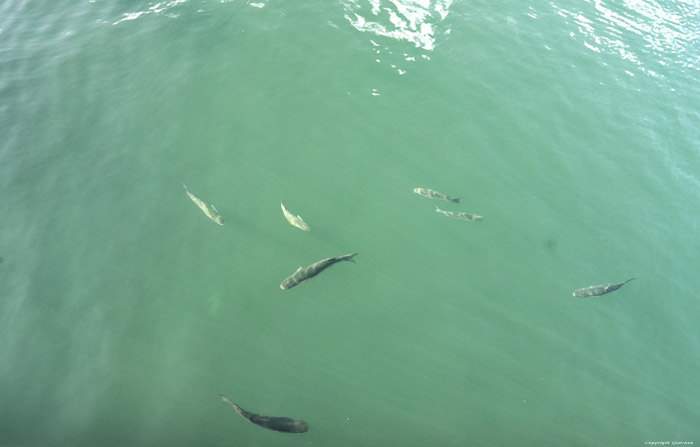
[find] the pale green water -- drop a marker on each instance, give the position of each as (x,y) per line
(572,127)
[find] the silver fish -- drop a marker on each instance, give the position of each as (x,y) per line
(302,274)
(208,209)
(297,221)
(433,194)
(599,290)
(465,216)
(283,424)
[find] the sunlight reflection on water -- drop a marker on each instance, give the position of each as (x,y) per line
(668,31)
(414,21)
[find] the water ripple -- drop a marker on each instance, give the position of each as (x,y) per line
(414,21)
(158,8)
(419,22)
(668,31)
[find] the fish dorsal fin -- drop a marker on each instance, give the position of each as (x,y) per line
(214,208)
(298,270)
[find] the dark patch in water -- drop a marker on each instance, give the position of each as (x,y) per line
(550,244)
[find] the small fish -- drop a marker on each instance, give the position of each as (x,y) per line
(314,269)
(465,216)
(283,424)
(297,221)
(599,290)
(208,209)
(433,194)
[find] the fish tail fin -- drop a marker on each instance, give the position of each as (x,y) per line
(438,209)
(240,410)
(455,200)
(628,280)
(185,186)
(350,257)
(226,399)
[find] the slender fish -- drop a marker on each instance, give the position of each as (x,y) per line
(309,272)
(283,424)
(433,194)
(297,221)
(208,209)
(465,216)
(599,290)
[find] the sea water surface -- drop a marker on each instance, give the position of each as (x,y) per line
(571,126)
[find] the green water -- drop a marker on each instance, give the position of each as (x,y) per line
(571,127)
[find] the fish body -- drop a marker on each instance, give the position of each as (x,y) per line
(433,194)
(297,221)
(283,424)
(599,290)
(208,209)
(465,216)
(302,274)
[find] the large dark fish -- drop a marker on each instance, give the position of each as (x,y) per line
(283,424)
(302,274)
(599,290)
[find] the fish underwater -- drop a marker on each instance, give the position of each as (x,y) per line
(302,274)
(465,216)
(599,290)
(283,424)
(297,221)
(433,194)
(208,209)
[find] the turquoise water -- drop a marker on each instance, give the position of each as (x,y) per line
(572,127)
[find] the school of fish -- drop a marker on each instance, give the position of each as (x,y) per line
(289,425)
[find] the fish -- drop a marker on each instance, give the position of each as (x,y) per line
(283,424)
(465,216)
(302,274)
(208,209)
(433,194)
(599,290)
(297,221)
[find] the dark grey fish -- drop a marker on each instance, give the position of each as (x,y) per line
(302,274)
(283,424)
(599,290)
